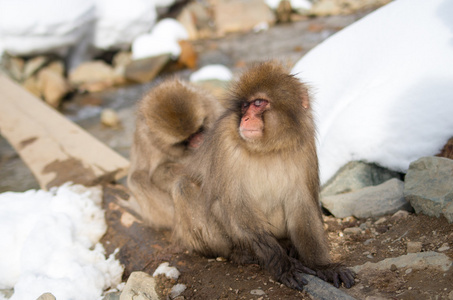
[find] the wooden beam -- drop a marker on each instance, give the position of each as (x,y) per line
(55,149)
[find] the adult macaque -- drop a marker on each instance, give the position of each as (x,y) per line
(251,193)
(171,122)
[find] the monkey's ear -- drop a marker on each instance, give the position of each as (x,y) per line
(305,98)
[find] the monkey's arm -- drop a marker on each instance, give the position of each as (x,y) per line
(309,239)
(156,205)
(166,175)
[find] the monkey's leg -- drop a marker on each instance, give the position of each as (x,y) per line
(308,236)
(249,233)
(156,205)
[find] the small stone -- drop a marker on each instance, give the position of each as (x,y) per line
(53,87)
(110,118)
(220,259)
(408,271)
(380,221)
(363,226)
(393,268)
(139,286)
(367,242)
(46,296)
(444,247)
(33,65)
(258,292)
(414,247)
(352,231)
(400,215)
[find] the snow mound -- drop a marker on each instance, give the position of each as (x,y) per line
(163,39)
(383,86)
(210,72)
(165,269)
(50,243)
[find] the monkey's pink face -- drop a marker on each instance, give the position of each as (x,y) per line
(252,125)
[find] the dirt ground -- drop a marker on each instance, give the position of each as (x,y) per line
(143,249)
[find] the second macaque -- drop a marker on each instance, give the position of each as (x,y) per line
(251,191)
(172,119)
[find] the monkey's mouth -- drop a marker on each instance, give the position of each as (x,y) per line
(250,134)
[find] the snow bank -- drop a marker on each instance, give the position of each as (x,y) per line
(209,72)
(163,39)
(120,22)
(50,243)
(383,86)
(28,26)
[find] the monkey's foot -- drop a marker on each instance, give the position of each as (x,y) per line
(294,277)
(336,274)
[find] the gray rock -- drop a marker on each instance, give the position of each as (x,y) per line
(415,261)
(356,175)
(429,186)
(140,285)
(321,290)
(373,201)
(46,296)
(112,296)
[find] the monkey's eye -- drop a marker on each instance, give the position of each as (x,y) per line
(245,105)
(259,102)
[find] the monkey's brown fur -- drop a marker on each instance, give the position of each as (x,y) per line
(168,118)
(257,200)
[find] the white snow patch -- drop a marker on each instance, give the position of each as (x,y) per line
(177,290)
(50,243)
(295,4)
(29,27)
(165,269)
(383,86)
(120,22)
(163,39)
(210,72)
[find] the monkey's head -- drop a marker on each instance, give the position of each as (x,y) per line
(272,108)
(177,115)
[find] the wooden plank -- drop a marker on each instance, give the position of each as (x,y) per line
(55,149)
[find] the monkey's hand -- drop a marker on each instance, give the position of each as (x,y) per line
(294,277)
(336,274)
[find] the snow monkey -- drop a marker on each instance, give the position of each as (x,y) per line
(250,193)
(171,121)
